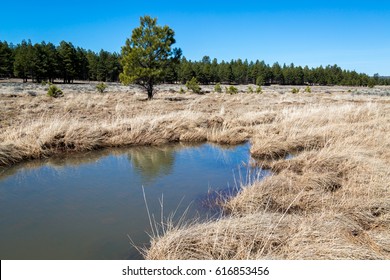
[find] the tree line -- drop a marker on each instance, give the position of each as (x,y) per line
(209,71)
(47,62)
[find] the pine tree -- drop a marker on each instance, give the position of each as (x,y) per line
(68,58)
(23,65)
(148,54)
(6,60)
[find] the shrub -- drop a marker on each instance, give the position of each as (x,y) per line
(295,90)
(371,83)
(101,87)
(54,91)
(232,90)
(308,89)
(250,89)
(193,85)
(259,90)
(181,91)
(218,88)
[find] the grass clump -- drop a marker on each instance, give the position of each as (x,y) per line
(181,91)
(54,91)
(193,85)
(295,90)
(250,89)
(218,88)
(101,87)
(231,90)
(259,90)
(308,89)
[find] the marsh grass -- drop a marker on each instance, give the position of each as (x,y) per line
(329,201)
(319,204)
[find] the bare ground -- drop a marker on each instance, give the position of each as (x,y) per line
(331,200)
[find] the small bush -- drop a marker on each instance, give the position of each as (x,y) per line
(259,90)
(54,91)
(371,83)
(218,88)
(232,90)
(308,89)
(193,85)
(295,90)
(250,89)
(101,87)
(181,91)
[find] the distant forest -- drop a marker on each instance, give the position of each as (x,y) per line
(47,62)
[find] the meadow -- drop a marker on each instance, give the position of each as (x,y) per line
(328,150)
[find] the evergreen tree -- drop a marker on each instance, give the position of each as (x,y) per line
(6,60)
(148,54)
(82,66)
(102,66)
(23,66)
(93,61)
(277,74)
(39,63)
(226,72)
(52,63)
(114,67)
(186,71)
(214,71)
(68,59)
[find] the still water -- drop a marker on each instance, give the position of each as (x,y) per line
(86,206)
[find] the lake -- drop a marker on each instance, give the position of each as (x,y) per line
(89,205)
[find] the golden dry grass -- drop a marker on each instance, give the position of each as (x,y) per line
(331,200)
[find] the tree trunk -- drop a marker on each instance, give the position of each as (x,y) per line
(150,93)
(150,90)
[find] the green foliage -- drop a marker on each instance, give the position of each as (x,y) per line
(250,89)
(295,90)
(54,91)
(6,60)
(181,91)
(68,57)
(218,88)
(259,90)
(23,60)
(260,81)
(148,54)
(193,85)
(308,89)
(101,87)
(232,90)
(45,61)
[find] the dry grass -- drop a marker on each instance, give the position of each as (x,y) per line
(330,200)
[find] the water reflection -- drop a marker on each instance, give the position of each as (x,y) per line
(152,162)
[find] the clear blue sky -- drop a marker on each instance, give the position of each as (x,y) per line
(353,34)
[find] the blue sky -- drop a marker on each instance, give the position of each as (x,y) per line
(353,34)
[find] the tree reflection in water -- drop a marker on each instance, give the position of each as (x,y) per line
(152,162)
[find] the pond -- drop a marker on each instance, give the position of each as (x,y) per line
(86,206)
